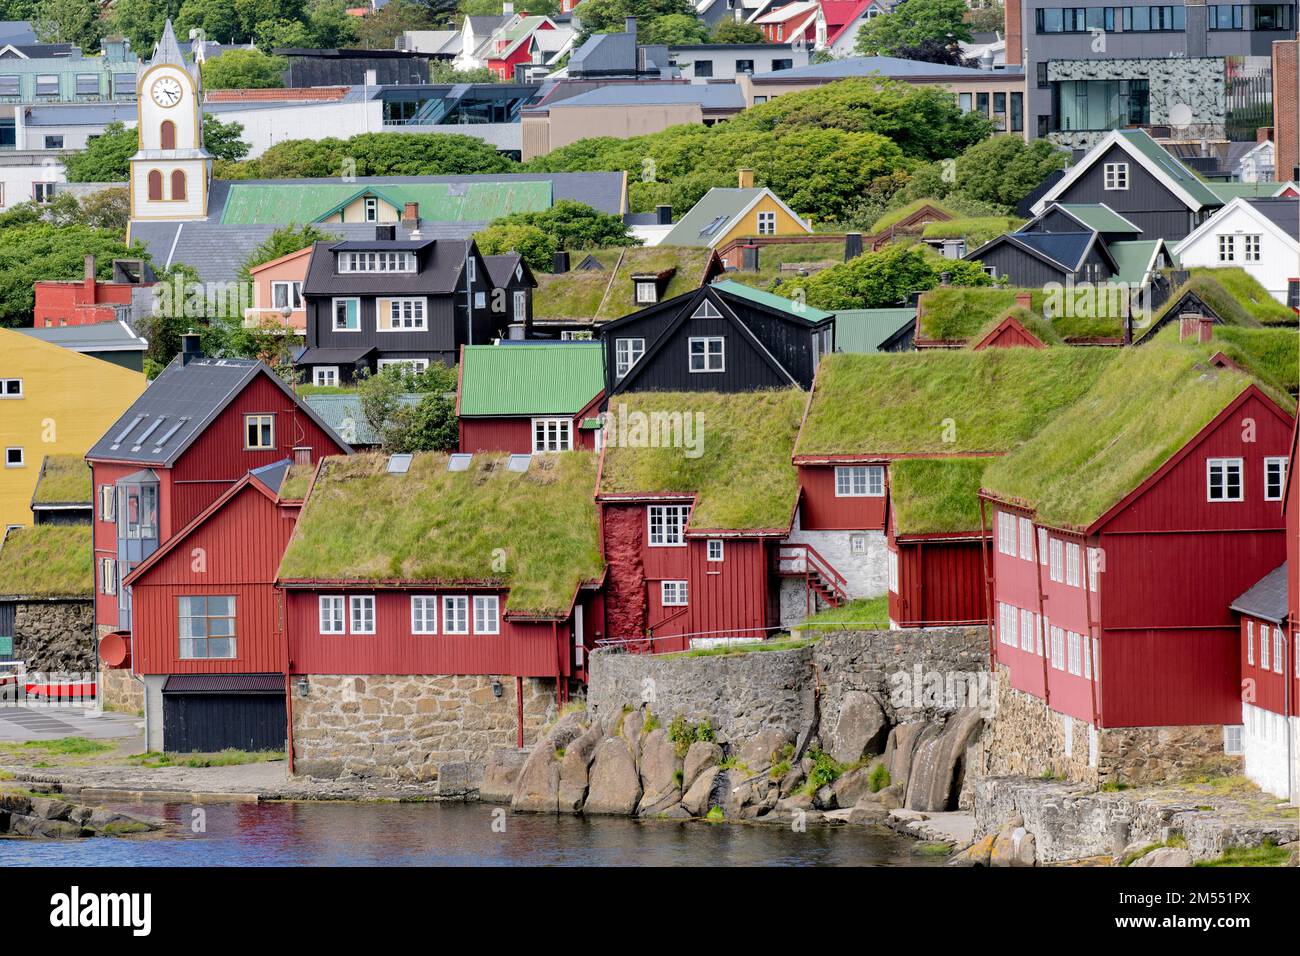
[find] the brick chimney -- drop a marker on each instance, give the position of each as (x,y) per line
(411,215)
(1024,300)
(90,287)
(1193,327)
(1014,33)
(745,178)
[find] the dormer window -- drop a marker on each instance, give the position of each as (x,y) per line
(376,262)
(646,293)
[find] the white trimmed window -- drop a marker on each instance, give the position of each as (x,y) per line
(667,525)
(1279,655)
(1042,545)
(1075,663)
(1274,478)
(1026,539)
(487,616)
(552,434)
(1227,248)
(405,315)
(707,353)
(409,366)
(767,224)
(1250,248)
(1094,568)
(1057,551)
(859,481)
(1006,533)
(331,614)
(1223,479)
(1027,631)
(362,608)
(674,593)
(1072,565)
(107,501)
(455,614)
(893,571)
(15,457)
(1263,646)
(377,261)
(259,432)
(11,388)
(627,352)
(646,293)
(713,549)
(1250,643)
(347,315)
(1058,648)
(1044,630)
(1087,658)
(107,575)
(286,295)
(521,306)
(1115,176)
(326,375)
(1008,627)
(424,614)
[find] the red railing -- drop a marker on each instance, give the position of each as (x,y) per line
(796,558)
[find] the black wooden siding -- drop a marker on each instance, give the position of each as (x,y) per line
(1021,268)
(1147,202)
(207,723)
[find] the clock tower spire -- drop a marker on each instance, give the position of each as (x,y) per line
(170,169)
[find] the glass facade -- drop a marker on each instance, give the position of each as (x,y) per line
(1100,104)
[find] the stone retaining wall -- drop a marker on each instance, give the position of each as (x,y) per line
(120,691)
(55,636)
(405,727)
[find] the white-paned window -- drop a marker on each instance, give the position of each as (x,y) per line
(325,375)
(646,293)
(455,614)
(1044,629)
(1027,631)
(1274,478)
(331,614)
(1115,176)
(107,575)
(286,295)
(11,388)
(1250,248)
(377,261)
(1058,648)
(1223,479)
(1279,655)
(859,481)
(1094,568)
(409,366)
(626,354)
(521,306)
(1087,658)
(767,224)
(1075,665)
(487,617)
(1026,539)
(667,525)
(347,315)
(893,571)
(552,434)
(1042,545)
(1227,248)
(1056,572)
(1250,643)
(107,501)
(424,614)
(1072,565)
(362,608)
(405,315)
(707,353)
(714,549)
(674,593)
(1006,533)
(15,457)
(1263,646)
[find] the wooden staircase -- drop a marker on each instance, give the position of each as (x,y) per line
(821,580)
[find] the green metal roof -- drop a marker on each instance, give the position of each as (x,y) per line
(711,216)
(1099,217)
(1227,192)
(530,379)
(862,330)
(1133,258)
(1176,171)
(278,204)
(794,309)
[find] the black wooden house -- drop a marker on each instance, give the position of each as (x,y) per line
(724,337)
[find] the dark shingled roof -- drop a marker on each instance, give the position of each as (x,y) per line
(1066,248)
(438,267)
(224,684)
(1267,599)
(273,474)
(1283,213)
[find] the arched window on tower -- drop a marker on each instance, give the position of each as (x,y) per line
(155,185)
(167,135)
(178,184)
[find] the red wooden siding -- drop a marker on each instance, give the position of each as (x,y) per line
(820,510)
(1170,677)
(1010,334)
(939,582)
(513,435)
(1293,534)
(1265,687)
(104,533)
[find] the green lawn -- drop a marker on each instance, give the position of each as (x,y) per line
(864,612)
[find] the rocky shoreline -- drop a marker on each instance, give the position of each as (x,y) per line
(51,817)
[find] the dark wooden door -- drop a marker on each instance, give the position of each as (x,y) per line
(206,723)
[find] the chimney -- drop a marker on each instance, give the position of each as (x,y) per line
(302,454)
(749,258)
(852,245)
(190,347)
(89,279)
(1264,134)
(1193,327)
(411,215)
(664,215)
(1024,300)
(745,178)
(508,8)
(629,26)
(560,262)
(945,278)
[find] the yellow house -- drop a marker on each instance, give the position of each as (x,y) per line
(53,401)
(722,215)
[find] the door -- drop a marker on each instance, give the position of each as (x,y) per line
(207,723)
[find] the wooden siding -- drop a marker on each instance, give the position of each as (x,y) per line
(208,723)
(104,533)
(1007,336)
(1147,203)
(1020,267)
(939,583)
(821,510)
(1170,677)
(1265,687)
(513,435)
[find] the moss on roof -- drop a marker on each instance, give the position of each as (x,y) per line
(47,561)
(1032,321)
(976,230)
(64,479)
(432,525)
(1271,355)
(1145,406)
(780,259)
(942,402)
(902,212)
(600,296)
(1205,286)
(936,495)
(955,313)
(742,479)
(296,480)
(1253,297)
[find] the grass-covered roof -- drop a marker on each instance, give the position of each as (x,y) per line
(784,260)
(604,294)
(1206,287)
(47,561)
(742,477)
(936,495)
(295,483)
(955,313)
(1271,355)
(1252,296)
(976,230)
(894,216)
(1145,406)
(941,401)
(1034,323)
(64,480)
(432,525)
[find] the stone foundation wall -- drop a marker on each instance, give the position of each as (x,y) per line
(405,727)
(55,636)
(866,575)
(120,691)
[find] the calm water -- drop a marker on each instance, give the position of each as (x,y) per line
(354,834)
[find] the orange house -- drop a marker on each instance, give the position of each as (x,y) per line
(277,292)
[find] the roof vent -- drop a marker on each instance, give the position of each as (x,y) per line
(519,463)
(399,464)
(458,462)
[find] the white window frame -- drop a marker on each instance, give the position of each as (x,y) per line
(336,607)
(409,313)
(1074,652)
(108,503)
(487,614)
(708,355)
(857,481)
(424,614)
(370,205)
(1227,247)
(376,261)
(334,313)
(627,352)
(108,575)
(1093,557)
(766,223)
(672,525)
(647,292)
(1006,526)
(556,435)
(6,394)
(1026,538)
(325,376)
(1251,246)
(1042,546)
(415,366)
(358,605)
(1056,564)
(1263,646)
(1225,464)
(457,622)
(1279,654)
(21,461)
(1072,559)
(674,593)
(293,293)
(892,562)
(1115,177)
(521,305)
(714,550)
(1250,643)
(1279,465)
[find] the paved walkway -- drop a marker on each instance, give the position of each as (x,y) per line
(21,723)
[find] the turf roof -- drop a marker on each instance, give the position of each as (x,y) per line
(976,230)
(955,313)
(547,379)
(1145,406)
(743,479)
(936,495)
(47,561)
(437,526)
(295,483)
(940,401)
(1252,296)
(902,212)
(600,296)
(1032,321)
(1209,290)
(1271,355)
(64,479)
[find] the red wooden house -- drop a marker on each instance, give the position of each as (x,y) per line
(515,44)
(696,495)
(530,397)
(1122,533)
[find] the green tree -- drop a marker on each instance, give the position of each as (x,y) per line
(69,21)
(216,18)
(575,225)
(987,19)
(253,12)
(1006,169)
(430,425)
(881,279)
(674,29)
(608,16)
(736,31)
(536,246)
(283,241)
(140,21)
(379,31)
(375,154)
(912,24)
(106,158)
(42,250)
(244,70)
(224,140)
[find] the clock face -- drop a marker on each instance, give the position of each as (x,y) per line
(167,91)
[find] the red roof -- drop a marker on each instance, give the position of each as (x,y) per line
(841,14)
(326,93)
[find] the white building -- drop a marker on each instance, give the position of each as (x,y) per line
(1261,236)
(29,175)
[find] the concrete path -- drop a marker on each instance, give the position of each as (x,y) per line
(21,723)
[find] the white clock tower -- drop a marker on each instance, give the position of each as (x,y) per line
(171,169)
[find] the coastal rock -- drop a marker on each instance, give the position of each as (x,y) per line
(632,724)
(573,770)
(977,854)
(660,783)
(850,787)
(866,811)
(538,788)
(729,794)
(899,750)
(459,778)
(500,774)
(859,727)
(1165,856)
(613,786)
(938,766)
(700,757)
(1013,846)
(760,751)
(696,800)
